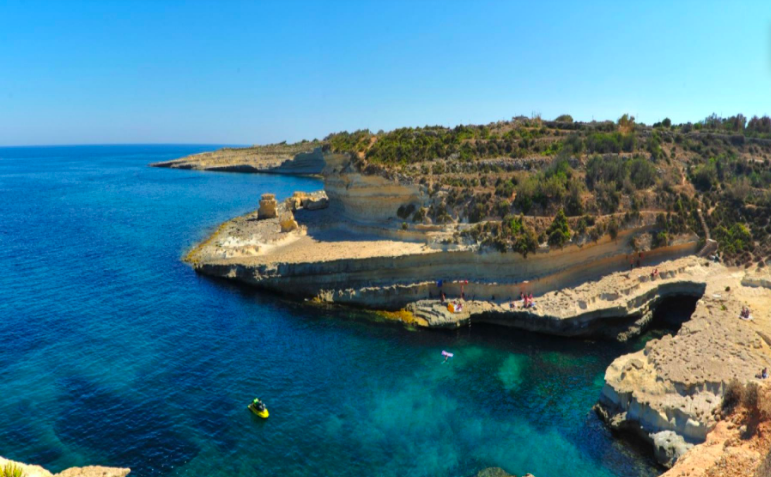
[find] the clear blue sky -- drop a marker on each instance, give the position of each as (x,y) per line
(76,72)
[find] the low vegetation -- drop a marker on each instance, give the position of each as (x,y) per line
(718,169)
(11,469)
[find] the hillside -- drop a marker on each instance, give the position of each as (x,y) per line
(512,178)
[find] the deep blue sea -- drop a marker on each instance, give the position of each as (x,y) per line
(113,352)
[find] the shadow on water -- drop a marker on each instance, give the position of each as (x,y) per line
(149,441)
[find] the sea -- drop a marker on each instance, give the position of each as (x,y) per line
(114,352)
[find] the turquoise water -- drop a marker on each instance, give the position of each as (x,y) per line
(113,352)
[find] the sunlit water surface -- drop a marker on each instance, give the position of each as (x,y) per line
(114,352)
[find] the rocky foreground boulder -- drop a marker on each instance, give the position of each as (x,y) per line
(29,470)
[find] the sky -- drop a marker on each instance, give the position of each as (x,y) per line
(256,72)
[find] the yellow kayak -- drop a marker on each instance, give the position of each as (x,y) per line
(262,413)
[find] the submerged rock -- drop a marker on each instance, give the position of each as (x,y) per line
(497,472)
(493,472)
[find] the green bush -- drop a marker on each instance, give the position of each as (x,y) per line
(11,469)
(524,238)
(705,177)
(734,239)
(661,239)
(559,230)
(505,188)
(502,208)
(641,172)
(613,142)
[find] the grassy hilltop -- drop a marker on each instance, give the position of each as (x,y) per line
(591,178)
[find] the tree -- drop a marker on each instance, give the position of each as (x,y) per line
(626,124)
(613,228)
(759,125)
(564,118)
(559,230)
(526,242)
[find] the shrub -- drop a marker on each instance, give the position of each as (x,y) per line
(735,239)
(661,239)
(583,224)
(11,469)
(732,395)
(526,242)
(404,225)
(505,188)
(613,228)
(420,215)
(765,405)
(751,398)
(477,213)
(642,173)
(502,208)
(704,177)
(564,118)
(559,230)
(607,197)
(613,142)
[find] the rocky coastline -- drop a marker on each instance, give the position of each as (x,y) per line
(349,248)
(301,159)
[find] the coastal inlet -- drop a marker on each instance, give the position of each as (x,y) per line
(115,353)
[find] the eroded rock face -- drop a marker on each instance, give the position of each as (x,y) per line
(307,200)
(677,382)
(362,198)
(268,206)
(668,447)
(287,222)
(316,200)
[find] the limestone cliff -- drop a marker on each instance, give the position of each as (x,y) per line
(676,383)
(367,198)
(738,446)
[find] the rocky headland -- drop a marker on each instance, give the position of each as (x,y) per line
(436,242)
(300,159)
